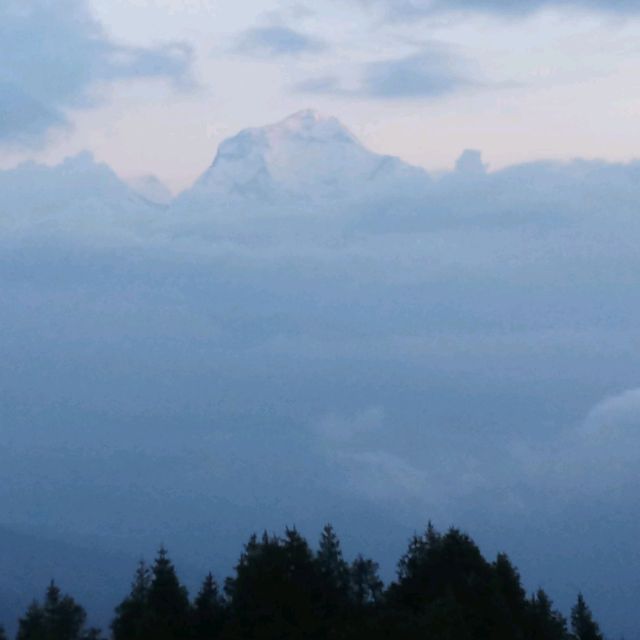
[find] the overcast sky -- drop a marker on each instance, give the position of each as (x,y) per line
(152,86)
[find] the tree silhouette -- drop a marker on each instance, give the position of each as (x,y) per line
(334,581)
(168,602)
(513,596)
(334,571)
(132,613)
(276,589)
(583,625)
(366,586)
(32,626)
(545,623)
(208,614)
(58,618)
(281,589)
(157,606)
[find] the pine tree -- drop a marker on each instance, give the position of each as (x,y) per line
(32,626)
(157,607)
(331,563)
(65,617)
(512,594)
(333,574)
(583,625)
(132,613)
(208,614)
(366,586)
(419,555)
(545,623)
(59,618)
(276,590)
(168,602)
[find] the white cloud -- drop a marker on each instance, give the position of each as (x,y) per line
(277,40)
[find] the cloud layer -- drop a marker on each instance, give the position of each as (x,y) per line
(430,73)
(408,9)
(368,360)
(54,53)
(277,40)
(425,75)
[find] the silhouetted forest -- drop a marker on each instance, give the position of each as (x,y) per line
(444,590)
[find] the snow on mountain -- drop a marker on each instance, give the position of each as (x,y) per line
(304,161)
(271,176)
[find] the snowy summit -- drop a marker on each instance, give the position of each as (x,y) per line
(307,156)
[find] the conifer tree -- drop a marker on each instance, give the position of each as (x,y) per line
(545,623)
(64,616)
(583,625)
(32,626)
(133,612)
(509,582)
(331,563)
(168,602)
(208,614)
(334,574)
(58,618)
(366,586)
(276,590)
(512,594)
(414,562)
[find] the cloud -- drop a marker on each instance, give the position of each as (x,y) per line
(621,409)
(597,458)
(411,9)
(277,41)
(23,117)
(430,73)
(425,75)
(610,440)
(372,473)
(383,476)
(53,53)
(324,84)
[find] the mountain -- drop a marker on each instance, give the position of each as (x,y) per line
(304,163)
(151,188)
(78,195)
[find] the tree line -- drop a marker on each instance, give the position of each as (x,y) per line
(282,589)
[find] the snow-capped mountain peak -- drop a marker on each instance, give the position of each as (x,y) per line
(307,156)
(311,125)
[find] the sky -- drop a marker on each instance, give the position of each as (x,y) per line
(153,86)
(314,332)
